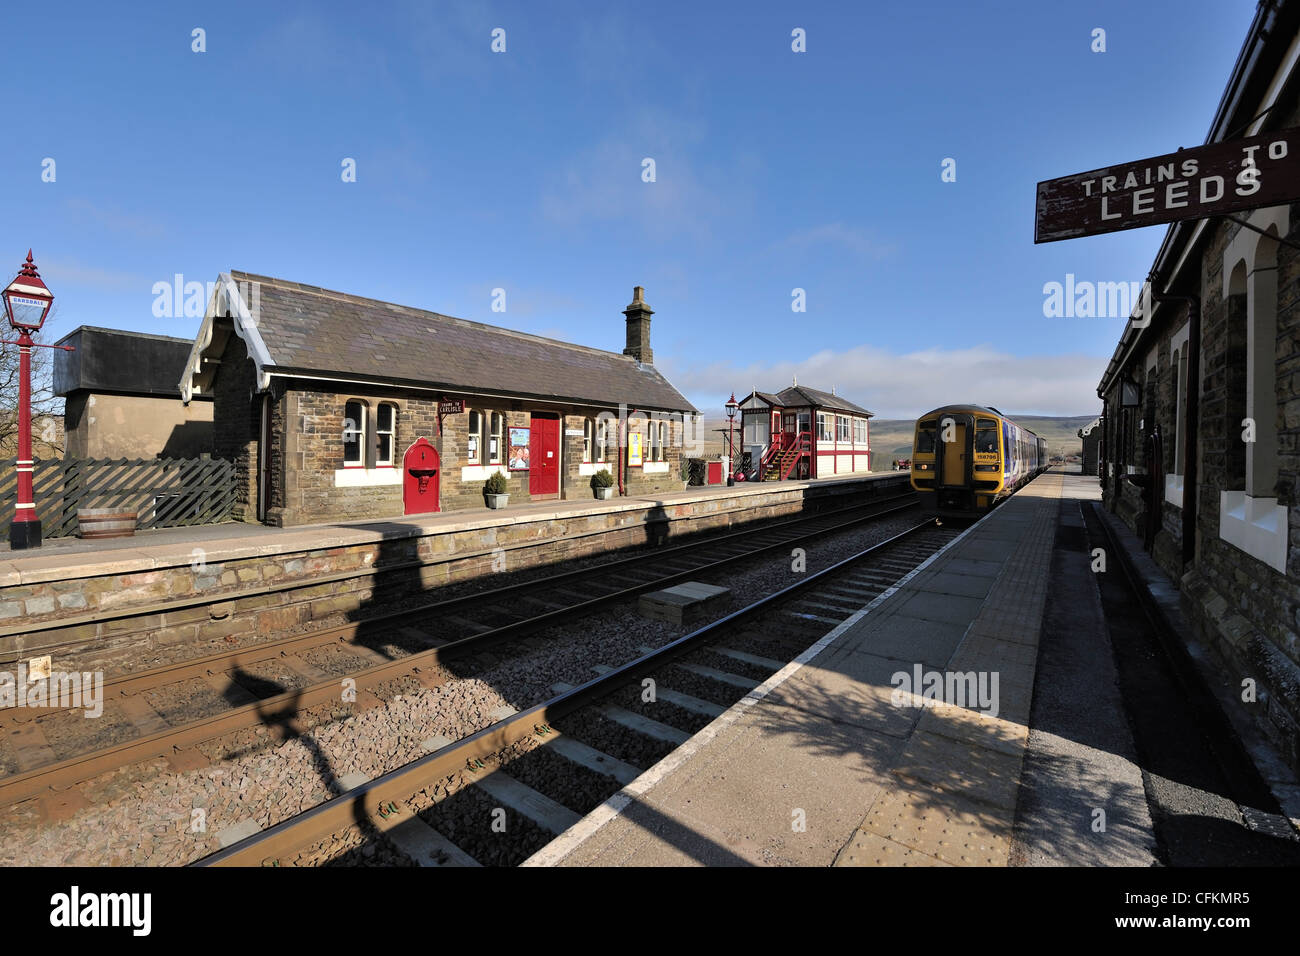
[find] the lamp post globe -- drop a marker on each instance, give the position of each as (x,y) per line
(27,303)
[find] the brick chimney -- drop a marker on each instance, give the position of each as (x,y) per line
(638,328)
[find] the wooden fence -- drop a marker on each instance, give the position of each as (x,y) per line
(163,492)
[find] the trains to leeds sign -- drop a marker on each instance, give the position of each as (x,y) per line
(1189,184)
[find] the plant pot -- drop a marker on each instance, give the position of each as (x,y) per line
(105,523)
(497,501)
(604,494)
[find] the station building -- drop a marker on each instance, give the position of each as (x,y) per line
(336,407)
(1201,429)
(803,432)
(120,401)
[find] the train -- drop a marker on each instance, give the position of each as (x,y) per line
(968,458)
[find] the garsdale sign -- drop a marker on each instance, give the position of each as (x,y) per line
(1189,184)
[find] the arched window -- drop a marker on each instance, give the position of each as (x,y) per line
(602,439)
(663,441)
(354,434)
(496,440)
(474,440)
(588,439)
(385,434)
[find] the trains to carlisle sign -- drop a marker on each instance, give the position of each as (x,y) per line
(1189,184)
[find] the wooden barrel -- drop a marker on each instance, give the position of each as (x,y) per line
(105,523)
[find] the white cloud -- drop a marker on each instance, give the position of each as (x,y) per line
(905,385)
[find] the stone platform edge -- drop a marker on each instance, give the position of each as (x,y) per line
(45,568)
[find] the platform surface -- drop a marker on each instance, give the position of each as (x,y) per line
(822,765)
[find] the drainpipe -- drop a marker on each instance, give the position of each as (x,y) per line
(1193,415)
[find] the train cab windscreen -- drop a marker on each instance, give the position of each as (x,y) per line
(925,434)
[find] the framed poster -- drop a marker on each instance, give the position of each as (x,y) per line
(518,449)
(634,449)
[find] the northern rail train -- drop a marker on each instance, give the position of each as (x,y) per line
(967,458)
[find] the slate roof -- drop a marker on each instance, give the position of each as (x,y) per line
(797,395)
(318,332)
(120,362)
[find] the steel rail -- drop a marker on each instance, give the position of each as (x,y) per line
(282,711)
(362,805)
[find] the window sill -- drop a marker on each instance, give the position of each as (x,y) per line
(359,477)
(481,472)
(1257,526)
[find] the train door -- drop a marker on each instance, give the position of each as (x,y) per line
(954,459)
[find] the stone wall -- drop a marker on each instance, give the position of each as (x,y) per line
(1247,612)
(123,611)
(307,455)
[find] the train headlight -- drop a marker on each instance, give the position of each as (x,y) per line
(986,467)
(922,467)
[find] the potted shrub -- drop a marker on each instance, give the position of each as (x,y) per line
(602,482)
(685,471)
(496,490)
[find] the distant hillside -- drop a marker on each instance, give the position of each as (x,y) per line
(892,438)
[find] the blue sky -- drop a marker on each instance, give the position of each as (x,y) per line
(522,170)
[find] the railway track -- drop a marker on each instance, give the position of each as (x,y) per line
(168,711)
(497,796)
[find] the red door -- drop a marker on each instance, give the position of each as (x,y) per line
(544,456)
(420,478)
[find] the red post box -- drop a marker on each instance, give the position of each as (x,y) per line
(420,467)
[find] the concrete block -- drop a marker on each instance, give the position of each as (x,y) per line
(684,602)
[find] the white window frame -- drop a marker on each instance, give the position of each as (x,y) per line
(824,430)
(1251,519)
(359,432)
(588,440)
(391,432)
(498,434)
(474,451)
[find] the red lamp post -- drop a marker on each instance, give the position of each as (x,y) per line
(27,303)
(731,407)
